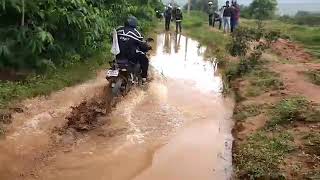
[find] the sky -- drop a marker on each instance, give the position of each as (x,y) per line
(281,1)
(248,1)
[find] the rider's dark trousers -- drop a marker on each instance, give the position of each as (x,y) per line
(144,63)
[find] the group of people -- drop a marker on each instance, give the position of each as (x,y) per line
(173,14)
(228,15)
(133,47)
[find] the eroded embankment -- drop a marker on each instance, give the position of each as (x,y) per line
(277,116)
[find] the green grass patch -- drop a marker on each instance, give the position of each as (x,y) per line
(261,154)
(195,25)
(261,81)
(294,109)
(55,80)
(245,111)
(314,76)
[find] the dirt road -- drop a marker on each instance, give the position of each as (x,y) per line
(179,127)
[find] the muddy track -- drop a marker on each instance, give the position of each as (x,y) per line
(159,132)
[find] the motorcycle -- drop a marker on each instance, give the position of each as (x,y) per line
(123,75)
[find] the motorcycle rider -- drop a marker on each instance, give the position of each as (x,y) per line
(132,46)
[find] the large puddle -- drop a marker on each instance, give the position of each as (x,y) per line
(202,148)
(177,129)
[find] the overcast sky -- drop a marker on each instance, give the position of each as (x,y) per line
(281,1)
(248,1)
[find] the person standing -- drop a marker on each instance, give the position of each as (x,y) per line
(233,17)
(168,16)
(218,18)
(236,16)
(210,12)
(227,17)
(179,18)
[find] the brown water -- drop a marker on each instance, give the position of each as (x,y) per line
(177,128)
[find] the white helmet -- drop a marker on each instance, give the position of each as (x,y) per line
(210,2)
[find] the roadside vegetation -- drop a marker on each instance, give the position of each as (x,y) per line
(308,37)
(277,128)
(46,45)
(294,109)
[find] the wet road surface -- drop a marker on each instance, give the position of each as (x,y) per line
(177,128)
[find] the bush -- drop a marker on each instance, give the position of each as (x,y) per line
(41,36)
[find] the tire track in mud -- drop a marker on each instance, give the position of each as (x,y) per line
(82,119)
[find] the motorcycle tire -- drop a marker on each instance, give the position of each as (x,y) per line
(116,90)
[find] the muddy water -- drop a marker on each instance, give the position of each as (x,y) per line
(178,127)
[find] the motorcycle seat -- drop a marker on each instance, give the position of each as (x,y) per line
(122,61)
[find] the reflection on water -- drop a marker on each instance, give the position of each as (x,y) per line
(167,43)
(201,148)
(177,43)
(188,65)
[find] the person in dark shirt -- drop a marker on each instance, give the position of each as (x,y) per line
(168,16)
(179,18)
(227,13)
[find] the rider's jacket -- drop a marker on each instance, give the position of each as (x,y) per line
(168,14)
(131,43)
(179,16)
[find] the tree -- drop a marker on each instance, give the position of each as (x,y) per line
(263,9)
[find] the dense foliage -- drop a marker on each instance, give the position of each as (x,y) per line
(44,34)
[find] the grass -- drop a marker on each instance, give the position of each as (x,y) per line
(314,76)
(294,109)
(245,111)
(261,81)
(195,25)
(306,35)
(260,155)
